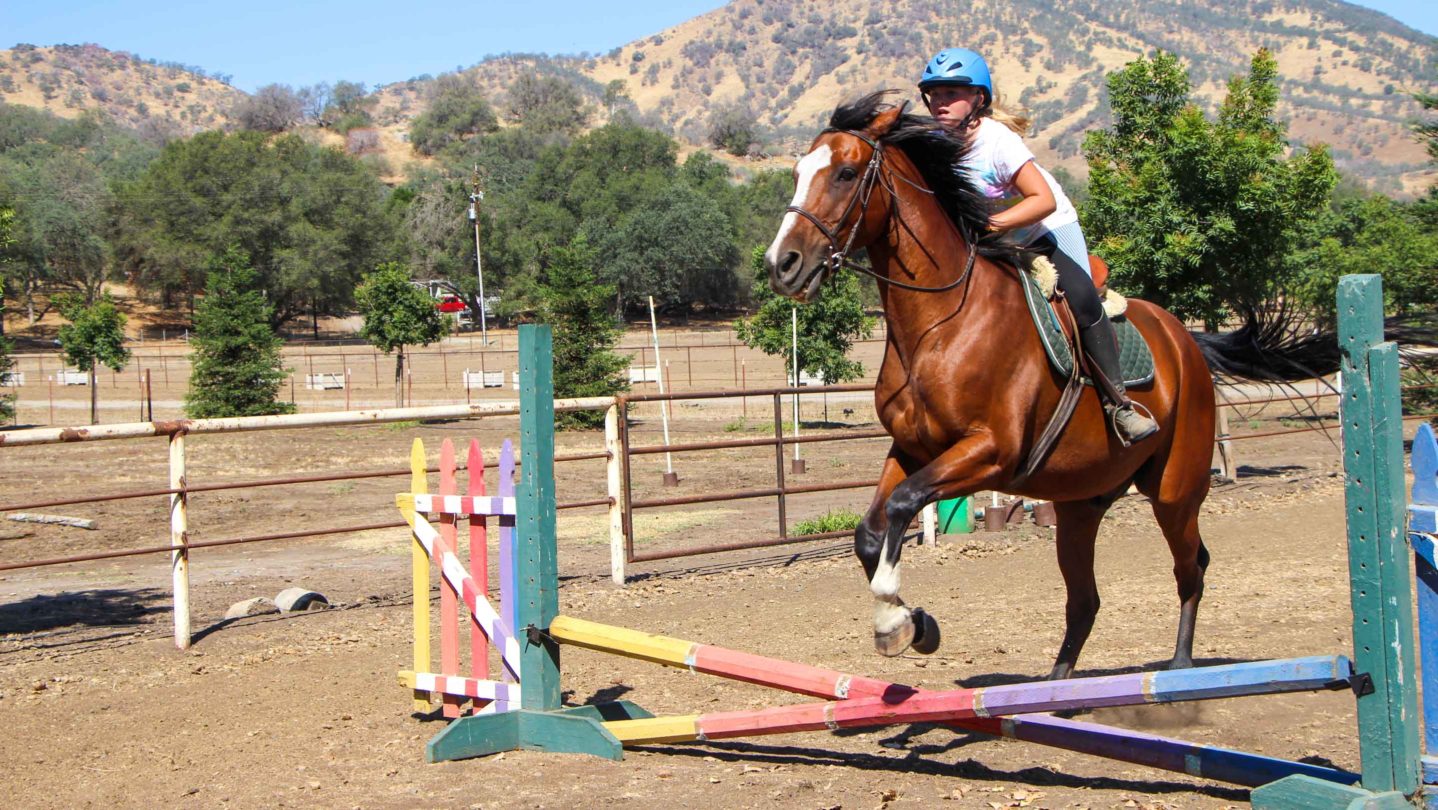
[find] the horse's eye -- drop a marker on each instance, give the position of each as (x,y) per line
(846,174)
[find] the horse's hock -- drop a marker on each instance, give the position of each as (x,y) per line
(521,709)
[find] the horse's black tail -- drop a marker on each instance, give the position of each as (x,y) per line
(1281,347)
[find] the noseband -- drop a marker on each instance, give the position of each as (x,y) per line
(839,256)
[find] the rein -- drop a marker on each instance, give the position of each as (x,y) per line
(873,174)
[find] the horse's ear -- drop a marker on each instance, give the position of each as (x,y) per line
(885,121)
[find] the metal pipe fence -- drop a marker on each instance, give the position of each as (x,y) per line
(620,495)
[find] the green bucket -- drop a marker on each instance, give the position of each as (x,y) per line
(956,516)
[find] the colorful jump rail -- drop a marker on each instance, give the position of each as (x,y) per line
(1382,676)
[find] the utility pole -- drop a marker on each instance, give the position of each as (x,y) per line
(475,196)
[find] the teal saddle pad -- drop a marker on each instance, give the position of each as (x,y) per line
(1134,358)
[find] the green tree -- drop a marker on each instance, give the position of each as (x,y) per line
(545,104)
(1201,217)
(311,219)
(349,106)
(236,366)
(733,128)
(1370,235)
(585,332)
(828,326)
(94,336)
(61,202)
(678,250)
(397,314)
(457,111)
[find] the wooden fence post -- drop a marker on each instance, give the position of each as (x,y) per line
(179,541)
(614,483)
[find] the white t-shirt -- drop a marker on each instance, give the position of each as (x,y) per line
(996,155)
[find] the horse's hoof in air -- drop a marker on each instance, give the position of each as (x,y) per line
(895,641)
(926,632)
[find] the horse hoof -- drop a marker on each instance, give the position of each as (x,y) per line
(926,633)
(895,641)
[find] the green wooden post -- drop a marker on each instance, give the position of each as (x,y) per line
(536,569)
(1383,637)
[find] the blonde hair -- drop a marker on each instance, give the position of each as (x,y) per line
(1013,118)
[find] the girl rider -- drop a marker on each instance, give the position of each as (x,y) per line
(1030,205)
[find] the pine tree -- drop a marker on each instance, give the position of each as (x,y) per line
(237,366)
(585,332)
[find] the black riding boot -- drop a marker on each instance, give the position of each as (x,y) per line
(1101,346)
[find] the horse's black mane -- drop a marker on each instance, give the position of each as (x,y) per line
(936,153)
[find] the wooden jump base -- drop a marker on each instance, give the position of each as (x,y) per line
(525,631)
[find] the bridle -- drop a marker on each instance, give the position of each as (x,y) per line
(873,175)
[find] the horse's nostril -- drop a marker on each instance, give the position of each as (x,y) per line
(789,260)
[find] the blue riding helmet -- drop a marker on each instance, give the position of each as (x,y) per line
(959,66)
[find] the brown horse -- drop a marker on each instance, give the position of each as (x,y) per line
(965,389)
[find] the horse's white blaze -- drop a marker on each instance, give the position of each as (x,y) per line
(809,166)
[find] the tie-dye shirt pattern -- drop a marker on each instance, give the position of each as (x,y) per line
(995,157)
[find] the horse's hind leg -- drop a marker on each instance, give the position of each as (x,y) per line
(1179,522)
(1177,487)
(1078,523)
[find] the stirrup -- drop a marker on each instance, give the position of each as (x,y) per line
(1113,412)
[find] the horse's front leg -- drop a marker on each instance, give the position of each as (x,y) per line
(967,467)
(892,629)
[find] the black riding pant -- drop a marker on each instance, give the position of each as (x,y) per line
(1074,280)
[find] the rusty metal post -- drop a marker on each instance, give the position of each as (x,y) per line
(179,540)
(347,388)
(779,461)
(444,366)
(734,358)
(614,486)
(149,397)
(689,364)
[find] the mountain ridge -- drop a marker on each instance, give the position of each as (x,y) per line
(1346,72)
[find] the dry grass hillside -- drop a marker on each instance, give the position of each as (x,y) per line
(69,79)
(1347,72)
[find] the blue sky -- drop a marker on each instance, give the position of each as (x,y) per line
(258,42)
